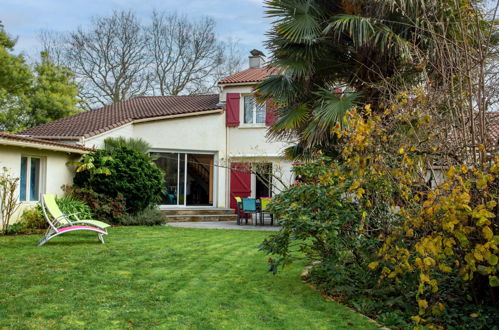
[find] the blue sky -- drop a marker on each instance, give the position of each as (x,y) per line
(240,19)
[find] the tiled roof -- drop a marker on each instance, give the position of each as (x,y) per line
(248,75)
(15,137)
(100,120)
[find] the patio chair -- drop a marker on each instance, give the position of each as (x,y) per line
(239,208)
(264,202)
(62,223)
(249,206)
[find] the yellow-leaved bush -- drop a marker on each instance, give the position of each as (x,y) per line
(447,207)
(396,219)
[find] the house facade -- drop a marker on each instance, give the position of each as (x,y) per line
(211,147)
(40,165)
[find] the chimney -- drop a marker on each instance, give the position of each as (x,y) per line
(256,59)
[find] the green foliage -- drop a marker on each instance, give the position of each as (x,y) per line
(102,207)
(331,55)
(15,81)
(15,228)
(131,174)
(70,205)
(137,144)
(33,218)
(381,235)
(32,97)
(54,93)
(317,221)
(147,217)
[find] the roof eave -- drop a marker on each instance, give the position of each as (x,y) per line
(53,137)
(42,146)
(181,115)
(240,83)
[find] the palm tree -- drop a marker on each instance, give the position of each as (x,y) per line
(332,54)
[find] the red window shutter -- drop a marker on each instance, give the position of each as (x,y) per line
(232,111)
(271,113)
(240,182)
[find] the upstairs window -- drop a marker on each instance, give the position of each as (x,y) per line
(254,113)
(29,185)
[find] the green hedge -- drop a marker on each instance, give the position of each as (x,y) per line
(122,171)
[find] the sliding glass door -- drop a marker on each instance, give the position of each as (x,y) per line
(188,178)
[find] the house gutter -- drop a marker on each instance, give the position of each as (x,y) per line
(192,114)
(41,146)
(240,84)
(52,137)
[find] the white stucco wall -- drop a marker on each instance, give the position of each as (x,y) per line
(204,133)
(97,141)
(235,89)
(54,171)
(252,141)
(197,133)
(249,140)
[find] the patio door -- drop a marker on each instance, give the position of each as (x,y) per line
(189,178)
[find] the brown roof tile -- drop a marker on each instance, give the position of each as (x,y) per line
(16,137)
(248,75)
(100,120)
(492,124)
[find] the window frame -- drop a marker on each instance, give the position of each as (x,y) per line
(254,111)
(27,184)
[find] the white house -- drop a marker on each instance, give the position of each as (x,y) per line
(204,143)
(40,165)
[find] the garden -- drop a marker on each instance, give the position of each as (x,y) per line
(157,276)
(394,213)
(392,105)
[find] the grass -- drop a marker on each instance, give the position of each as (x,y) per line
(160,277)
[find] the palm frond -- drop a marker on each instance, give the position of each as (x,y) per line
(298,20)
(332,107)
(367,31)
(291,118)
(282,88)
(298,152)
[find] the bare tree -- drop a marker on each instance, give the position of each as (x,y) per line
(184,53)
(232,61)
(117,58)
(55,45)
(8,198)
(110,58)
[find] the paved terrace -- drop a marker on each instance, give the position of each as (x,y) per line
(223,225)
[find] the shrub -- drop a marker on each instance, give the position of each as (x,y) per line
(70,205)
(102,207)
(33,218)
(383,236)
(121,171)
(148,217)
(15,228)
(8,198)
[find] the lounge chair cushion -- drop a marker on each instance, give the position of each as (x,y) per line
(96,223)
(69,228)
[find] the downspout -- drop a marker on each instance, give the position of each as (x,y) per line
(226,168)
(227,171)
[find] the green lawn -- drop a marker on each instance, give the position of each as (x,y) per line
(157,277)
